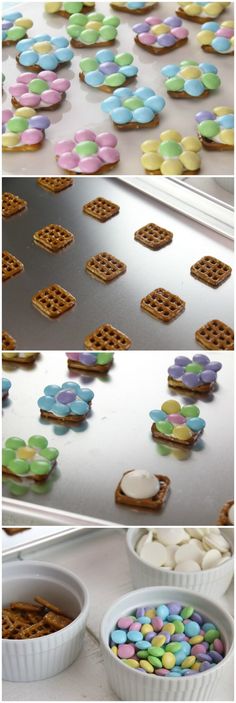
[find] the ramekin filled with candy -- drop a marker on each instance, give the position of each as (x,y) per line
(14,27)
(149,676)
(99,362)
(33,459)
(133,8)
(134,109)
(44,92)
(88,152)
(65,9)
(190,79)
(160,36)
(197,374)
(196,558)
(94,29)
(23,130)
(43,52)
(66,403)
(176,423)
(6,385)
(217,38)
(171,154)
(200,11)
(216,128)
(108,71)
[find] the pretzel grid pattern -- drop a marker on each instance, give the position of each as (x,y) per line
(215,335)
(211,271)
(107,337)
(53,237)
(101,209)
(162,304)
(8,342)
(153,236)
(105,266)
(11,204)
(10,265)
(55,184)
(53,301)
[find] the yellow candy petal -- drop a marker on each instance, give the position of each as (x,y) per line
(25,112)
(213,9)
(191,144)
(151,161)
(150,145)
(227,136)
(223,110)
(170,134)
(181,432)
(52,7)
(205,37)
(228,23)
(192,9)
(43,47)
(190,72)
(160,29)
(172,167)
(23,22)
(171,406)
(10,139)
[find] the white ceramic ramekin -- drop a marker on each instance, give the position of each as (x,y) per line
(40,658)
(131,685)
(211,583)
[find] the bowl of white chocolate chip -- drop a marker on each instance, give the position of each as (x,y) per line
(196,558)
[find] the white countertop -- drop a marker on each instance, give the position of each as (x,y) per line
(100,559)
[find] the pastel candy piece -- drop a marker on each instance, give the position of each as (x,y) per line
(208,68)
(40,467)
(211,81)
(111,103)
(16,33)
(86,394)
(86,148)
(212,26)
(170,70)
(6,384)
(59,42)
(125,651)
(114,80)
(79,407)
(191,144)
(32,136)
(43,47)
(24,45)
(227,136)
(38,442)
(89,64)
(170,149)
(37,85)
(112,21)
(129,71)
(60,84)
(175,371)
(160,29)
(25,453)
(104,357)
(176,419)
(189,72)
(124,59)
(225,32)
(83,135)
(47,61)
(66,145)
(68,160)
(169,407)
(203,359)
(28,58)
(86,358)
(104,55)
(118,636)
(133,103)
(106,139)
(155,103)
(29,100)
(182,432)
(176,83)
(108,33)
(39,122)
(143,93)
(150,145)
(204,115)
(143,115)
(194,87)
(14,443)
(108,155)
(45,403)
(51,97)
(196,424)
(19,466)
(190,411)
(180,33)
(52,7)
(60,410)
(121,115)
(72,386)
(51,390)
(6,115)
(17,124)
(88,36)
(147,38)
(90,164)
(173,21)
(164,427)
(190,160)
(209,128)
(226,121)
(50,453)
(205,37)
(141,27)
(191,380)
(109,67)
(45,75)
(157,415)
(66,396)
(182,360)
(64,55)
(17,90)
(221,44)
(94,78)
(166,40)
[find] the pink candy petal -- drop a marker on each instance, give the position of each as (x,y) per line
(84,135)
(108,155)
(25,77)
(90,164)
(17,90)
(69,161)
(60,84)
(32,136)
(6,115)
(106,139)
(30,100)
(46,75)
(64,146)
(51,97)
(180,32)
(153,20)
(147,38)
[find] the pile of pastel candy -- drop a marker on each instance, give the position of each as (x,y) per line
(172,154)
(91,358)
(219,36)
(34,458)
(185,550)
(88,152)
(180,423)
(126,106)
(108,69)
(170,639)
(68,399)
(160,33)
(217,125)
(191,78)
(44,51)
(194,372)
(23,128)
(14,27)
(93,28)
(44,91)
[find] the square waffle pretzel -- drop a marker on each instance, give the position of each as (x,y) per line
(105,266)
(153,236)
(55,185)
(8,342)
(211,271)
(10,265)
(154,503)
(215,335)
(106,337)
(101,209)
(163,305)
(53,300)
(53,237)
(11,204)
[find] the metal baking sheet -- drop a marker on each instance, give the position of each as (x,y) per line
(35,538)
(117,437)
(81,107)
(118,302)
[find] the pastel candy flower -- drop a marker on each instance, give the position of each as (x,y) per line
(193,373)
(91,358)
(156,34)
(68,399)
(92,29)
(39,92)
(14,27)
(181,423)
(141,106)
(190,79)
(108,70)
(171,154)
(203,9)
(220,37)
(88,152)
(44,52)
(29,459)
(23,128)
(216,126)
